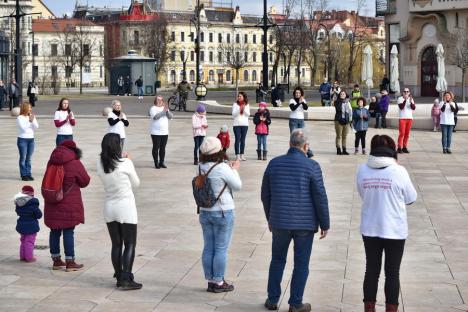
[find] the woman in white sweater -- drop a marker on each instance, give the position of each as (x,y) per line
(159,129)
(385,189)
(447,121)
(119,178)
(64,121)
(27,123)
(240,113)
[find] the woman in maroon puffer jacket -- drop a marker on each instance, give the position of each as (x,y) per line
(62,217)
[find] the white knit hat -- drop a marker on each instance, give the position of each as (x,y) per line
(210,145)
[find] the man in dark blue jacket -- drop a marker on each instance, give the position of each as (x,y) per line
(296,205)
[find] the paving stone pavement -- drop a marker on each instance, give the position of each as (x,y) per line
(434,273)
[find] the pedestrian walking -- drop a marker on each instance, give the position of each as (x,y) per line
(385,189)
(343,115)
(13,93)
(435,115)
(447,121)
(159,129)
(119,178)
(217,222)
(360,125)
(32,93)
(325,90)
(262,123)
(224,137)
(120,85)
(3,95)
(355,95)
(406,107)
(199,126)
(298,105)
(384,103)
(139,84)
(296,220)
(27,209)
(62,217)
(64,120)
(240,113)
(117,121)
(27,124)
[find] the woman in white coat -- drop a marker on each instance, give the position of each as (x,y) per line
(119,178)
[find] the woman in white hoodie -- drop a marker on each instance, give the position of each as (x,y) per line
(385,189)
(240,113)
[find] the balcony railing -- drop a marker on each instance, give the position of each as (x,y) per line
(384,7)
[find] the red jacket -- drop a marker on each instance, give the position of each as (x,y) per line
(225,139)
(69,211)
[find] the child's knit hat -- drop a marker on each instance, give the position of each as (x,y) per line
(210,145)
(28,190)
(224,128)
(201,108)
(262,104)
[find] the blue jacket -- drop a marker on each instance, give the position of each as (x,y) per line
(293,193)
(361,124)
(27,208)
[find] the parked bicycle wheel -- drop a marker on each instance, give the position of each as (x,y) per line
(172,103)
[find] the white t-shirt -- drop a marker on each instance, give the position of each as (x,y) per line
(407,112)
(299,112)
(385,193)
(67,128)
(158,126)
(447,117)
(118,128)
(25,127)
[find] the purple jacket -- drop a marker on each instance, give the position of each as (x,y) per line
(384,102)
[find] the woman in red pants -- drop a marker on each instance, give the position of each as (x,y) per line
(406,107)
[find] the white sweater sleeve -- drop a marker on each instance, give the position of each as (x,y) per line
(235,110)
(247,110)
(35,124)
(409,192)
(132,175)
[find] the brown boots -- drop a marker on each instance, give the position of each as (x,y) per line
(72,265)
(58,263)
(391,307)
(369,306)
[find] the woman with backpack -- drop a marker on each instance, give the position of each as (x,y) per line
(343,113)
(119,177)
(63,216)
(217,222)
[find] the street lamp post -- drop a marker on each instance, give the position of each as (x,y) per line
(200,95)
(33,57)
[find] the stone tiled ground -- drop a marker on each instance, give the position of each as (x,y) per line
(434,273)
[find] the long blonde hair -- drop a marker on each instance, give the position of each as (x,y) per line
(24,110)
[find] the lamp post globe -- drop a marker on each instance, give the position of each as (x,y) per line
(201,91)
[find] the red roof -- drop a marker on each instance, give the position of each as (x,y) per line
(138,12)
(59,24)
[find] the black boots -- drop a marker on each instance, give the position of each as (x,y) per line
(265,155)
(125,282)
(259,155)
(338,151)
(344,151)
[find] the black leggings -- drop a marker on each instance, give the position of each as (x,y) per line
(360,136)
(120,234)
(159,148)
(393,248)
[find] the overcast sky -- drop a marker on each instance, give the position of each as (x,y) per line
(251,6)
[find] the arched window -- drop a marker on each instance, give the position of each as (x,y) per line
(211,75)
(173,76)
(228,75)
(254,75)
(246,75)
(192,75)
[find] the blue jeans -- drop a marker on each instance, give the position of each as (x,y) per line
(140,91)
(68,242)
(446,135)
(198,140)
(217,233)
(62,137)
(26,149)
(240,133)
(303,240)
(262,141)
(377,120)
(295,124)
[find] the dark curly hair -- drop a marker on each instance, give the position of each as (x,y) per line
(298,88)
(216,157)
(363,99)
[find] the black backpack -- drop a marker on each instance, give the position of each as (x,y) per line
(203,192)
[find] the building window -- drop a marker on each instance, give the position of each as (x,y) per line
(54,72)
(254,38)
(254,75)
(263,39)
(202,56)
(210,56)
(192,56)
(228,75)
(68,71)
(237,38)
(86,49)
(136,37)
(68,50)
(202,37)
(303,72)
(246,38)
(192,36)
(210,37)
(182,36)
(254,57)
(220,57)
(100,50)
(246,57)
(271,57)
(87,69)
(237,57)
(192,75)
(182,56)
(228,56)
(246,75)
(271,39)
(173,36)
(228,38)
(35,50)
(173,76)
(173,55)
(35,72)
(211,75)
(53,49)
(220,38)
(100,71)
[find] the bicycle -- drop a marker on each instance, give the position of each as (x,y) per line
(177,101)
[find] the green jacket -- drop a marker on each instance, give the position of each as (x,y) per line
(354,96)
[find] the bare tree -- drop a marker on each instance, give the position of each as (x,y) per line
(233,56)
(66,54)
(83,47)
(459,57)
(155,40)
